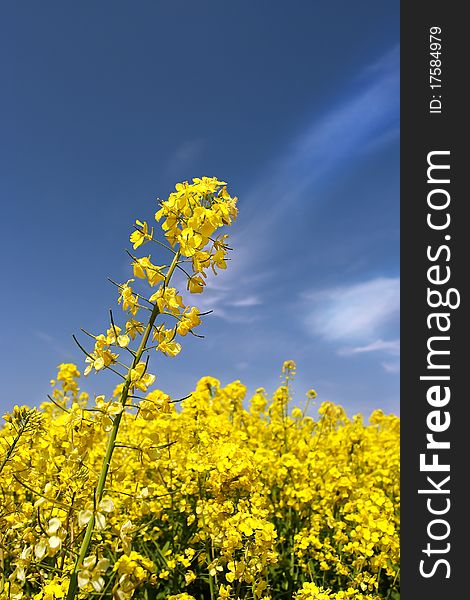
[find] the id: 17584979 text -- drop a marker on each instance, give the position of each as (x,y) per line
(435,69)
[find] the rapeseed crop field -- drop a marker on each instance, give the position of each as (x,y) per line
(213,496)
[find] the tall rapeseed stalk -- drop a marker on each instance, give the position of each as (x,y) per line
(190,217)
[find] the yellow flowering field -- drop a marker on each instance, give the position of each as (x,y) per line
(213,496)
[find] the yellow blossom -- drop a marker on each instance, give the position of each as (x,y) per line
(141,235)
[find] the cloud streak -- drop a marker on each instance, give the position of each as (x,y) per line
(246,302)
(361,119)
(356,313)
(391,367)
(390,347)
(368,117)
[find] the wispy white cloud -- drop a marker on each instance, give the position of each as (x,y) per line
(220,302)
(363,117)
(229,294)
(246,302)
(356,313)
(355,125)
(389,347)
(391,367)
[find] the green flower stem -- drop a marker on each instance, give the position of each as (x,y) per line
(16,439)
(11,449)
(111,445)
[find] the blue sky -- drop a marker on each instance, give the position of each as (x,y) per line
(105,106)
